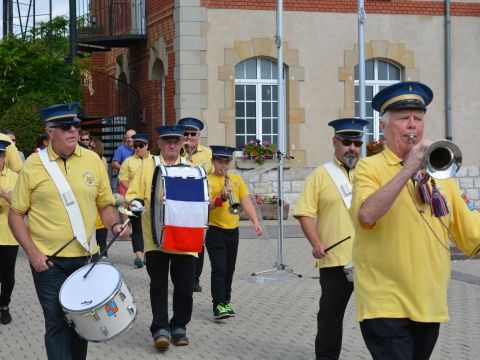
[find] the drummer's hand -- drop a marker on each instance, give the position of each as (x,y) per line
(39,262)
(124,232)
(318,251)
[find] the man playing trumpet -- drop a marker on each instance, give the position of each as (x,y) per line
(222,235)
(404,224)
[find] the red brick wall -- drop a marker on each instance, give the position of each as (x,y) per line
(106,101)
(350,6)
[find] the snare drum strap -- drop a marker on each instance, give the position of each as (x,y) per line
(68,200)
(341,182)
(158,162)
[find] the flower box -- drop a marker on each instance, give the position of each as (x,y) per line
(268,207)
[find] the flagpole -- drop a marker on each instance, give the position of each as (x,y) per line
(361,68)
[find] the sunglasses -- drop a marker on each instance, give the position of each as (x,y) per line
(84,139)
(189,133)
(141,146)
(348,142)
(66,127)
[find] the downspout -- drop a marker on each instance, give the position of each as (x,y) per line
(448,72)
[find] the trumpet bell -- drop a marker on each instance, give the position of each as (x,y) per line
(443,159)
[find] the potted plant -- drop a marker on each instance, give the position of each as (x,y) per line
(268,207)
(375,147)
(259,151)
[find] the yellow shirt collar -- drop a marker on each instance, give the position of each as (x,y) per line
(4,171)
(54,156)
(391,158)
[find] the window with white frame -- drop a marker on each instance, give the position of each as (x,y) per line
(378,75)
(256,101)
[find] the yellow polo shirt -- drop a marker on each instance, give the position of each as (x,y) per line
(13,160)
(321,200)
(220,216)
(402,264)
(203,157)
(48,220)
(141,188)
(131,165)
(8,178)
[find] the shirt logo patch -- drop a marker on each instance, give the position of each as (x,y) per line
(89,178)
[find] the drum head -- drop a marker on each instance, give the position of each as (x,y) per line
(79,294)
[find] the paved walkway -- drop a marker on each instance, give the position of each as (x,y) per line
(276,318)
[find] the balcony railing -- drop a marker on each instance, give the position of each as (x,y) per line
(111,23)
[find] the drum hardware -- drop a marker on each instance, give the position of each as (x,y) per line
(122,296)
(131,310)
(95,316)
(106,248)
(235,207)
(104,330)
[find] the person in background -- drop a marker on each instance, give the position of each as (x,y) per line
(13,137)
(127,172)
(8,244)
(322,211)
(42,141)
(198,155)
(101,232)
(13,160)
(122,152)
(84,139)
(222,234)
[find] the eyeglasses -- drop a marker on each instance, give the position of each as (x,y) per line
(84,139)
(348,142)
(66,127)
(190,133)
(141,145)
(14,140)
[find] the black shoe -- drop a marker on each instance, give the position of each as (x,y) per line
(179,337)
(5,317)
(197,287)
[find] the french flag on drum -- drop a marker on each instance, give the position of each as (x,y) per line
(186,214)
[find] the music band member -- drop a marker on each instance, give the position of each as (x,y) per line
(13,160)
(404,223)
(222,234)
(127,172)
(322,211)
(198,155)
(8,244)
(160,262)
(54,184)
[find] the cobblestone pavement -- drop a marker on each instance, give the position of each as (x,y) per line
(276,313)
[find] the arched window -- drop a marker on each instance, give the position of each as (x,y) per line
(256,101)
(378,75)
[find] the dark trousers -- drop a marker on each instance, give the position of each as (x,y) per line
(137,236)
(222,246)
(199,265)
(336,291)
(61,340)
(181,268)
(8,258)
(399,339)
(101,236)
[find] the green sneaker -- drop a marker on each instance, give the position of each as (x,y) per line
(229,309)
(138,262)
(220,312)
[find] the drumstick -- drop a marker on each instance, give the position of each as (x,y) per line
(63,247)
(106,248)
(337,243)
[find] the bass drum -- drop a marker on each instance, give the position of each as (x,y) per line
(100,307)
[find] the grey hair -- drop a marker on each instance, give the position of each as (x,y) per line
(385,118)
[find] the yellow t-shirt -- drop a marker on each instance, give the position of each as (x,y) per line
(131,165)
(321,200)
(8,178)
(220,216)
(402,264)
(203,157)
(141,188)
(48,220)
(13,160)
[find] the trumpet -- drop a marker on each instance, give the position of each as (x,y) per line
(235,207)
(443,158)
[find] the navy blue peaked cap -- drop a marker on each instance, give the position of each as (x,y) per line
(407,94)
(4,144)
(190,122)
(351,127)
(61,113)
(141,137)
(220,151)
(170,131)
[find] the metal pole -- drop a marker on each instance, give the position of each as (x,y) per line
(361,69)
(448,72)
(5,17)
(281,128)
(10,17)
(73,30)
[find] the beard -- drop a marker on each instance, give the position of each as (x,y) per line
(350,160)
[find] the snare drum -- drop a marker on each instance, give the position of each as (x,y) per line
(348,269)
(179,207)
(99,307)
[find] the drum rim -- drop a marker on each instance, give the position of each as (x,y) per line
(115,291)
